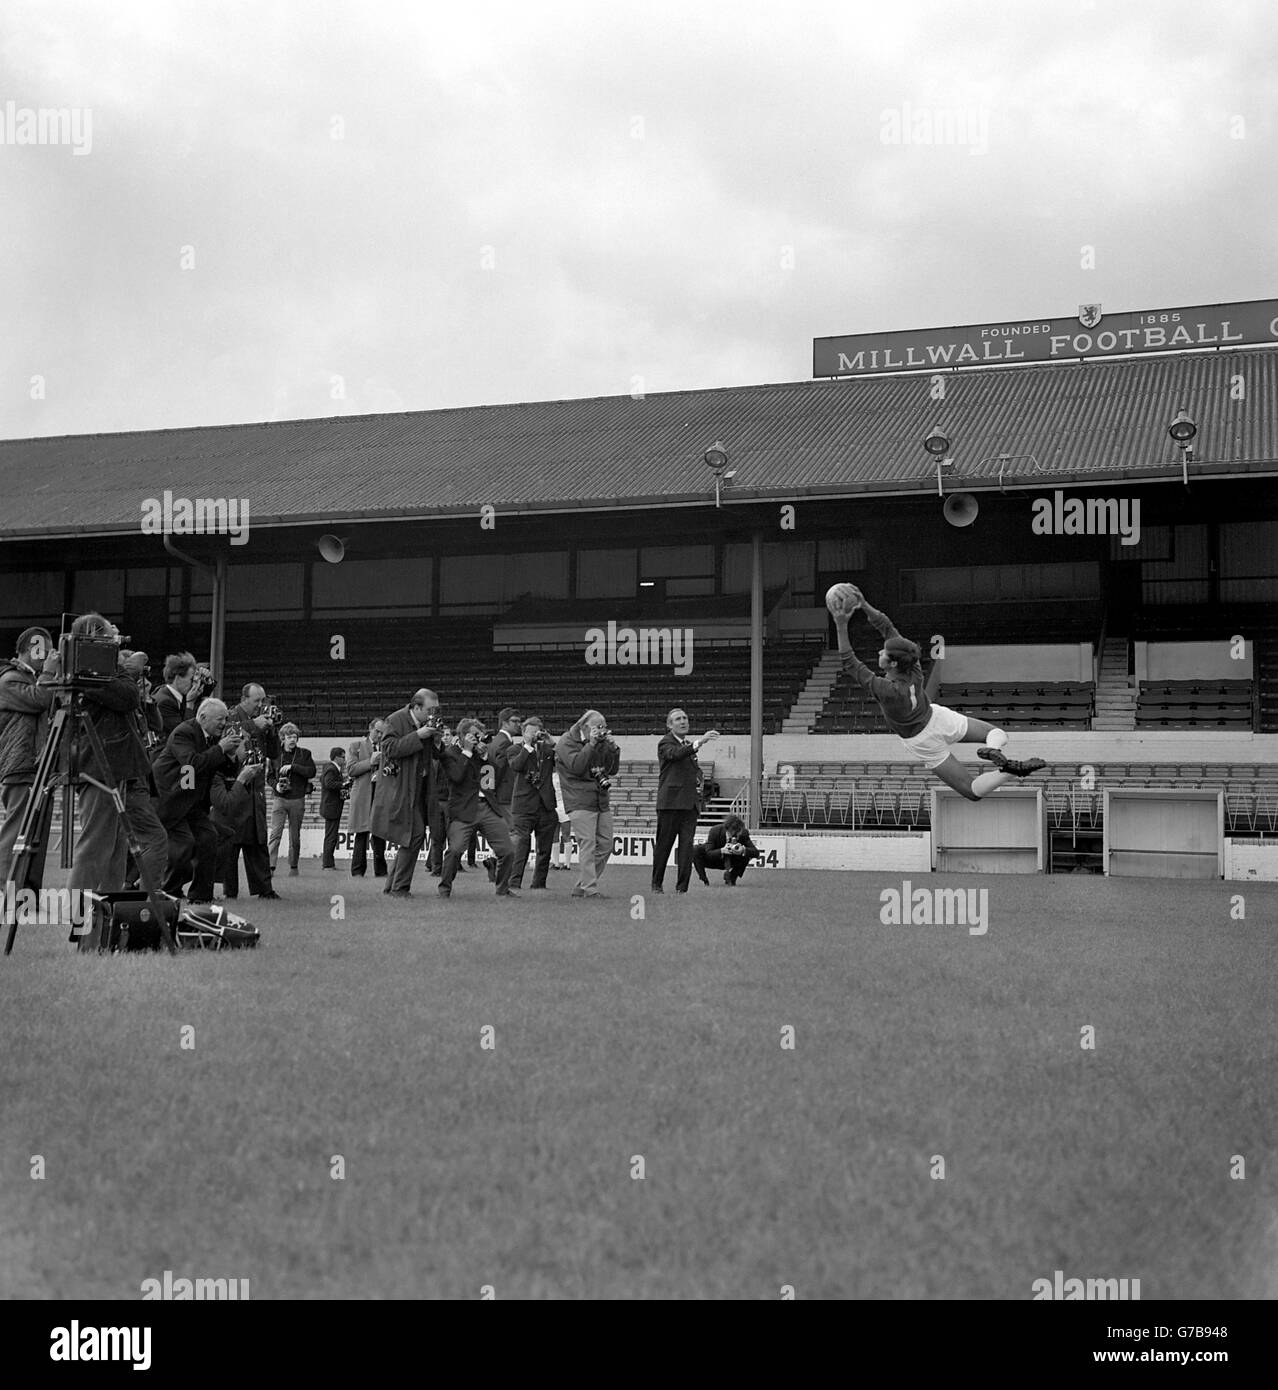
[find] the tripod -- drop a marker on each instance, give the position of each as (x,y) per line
(56,765)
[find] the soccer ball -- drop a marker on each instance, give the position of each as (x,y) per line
(842,598)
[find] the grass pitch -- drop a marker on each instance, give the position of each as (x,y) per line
(618,1039)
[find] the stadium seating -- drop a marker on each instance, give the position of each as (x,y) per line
(1194,705)
(386,660)
(870,796)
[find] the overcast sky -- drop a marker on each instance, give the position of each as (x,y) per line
(308,209)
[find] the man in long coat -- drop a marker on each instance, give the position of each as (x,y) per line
(409,751)
(361,768)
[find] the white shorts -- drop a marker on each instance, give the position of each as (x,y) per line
(932,744)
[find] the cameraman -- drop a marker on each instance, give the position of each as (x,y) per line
(729,847)
(532,763)
(24,725)
(472,805)
(586,760)
(250,813)
(115,709)
(291,775)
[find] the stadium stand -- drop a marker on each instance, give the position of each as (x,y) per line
(386,659)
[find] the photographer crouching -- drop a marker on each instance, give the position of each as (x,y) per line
(727,846)
(115,708)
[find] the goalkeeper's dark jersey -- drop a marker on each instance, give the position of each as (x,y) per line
(904,703)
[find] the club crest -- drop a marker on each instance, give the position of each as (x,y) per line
(1089,315)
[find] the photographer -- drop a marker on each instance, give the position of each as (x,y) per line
(361,768)
(261,744)
(472,805)
(231,795)
(409,751)
(291,775)
(586,759)
(195,752)
(532,763)
(729,847)
(24,725)
(678,799)
(174,696)
(335,787)
(115,710)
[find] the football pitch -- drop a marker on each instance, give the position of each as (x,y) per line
(326,1117)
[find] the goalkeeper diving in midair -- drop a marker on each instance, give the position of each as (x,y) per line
(926,729)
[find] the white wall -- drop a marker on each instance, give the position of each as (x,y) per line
(1187,661)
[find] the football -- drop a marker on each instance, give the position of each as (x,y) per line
(842,598)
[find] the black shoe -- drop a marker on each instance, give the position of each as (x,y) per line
(357,873)
(1023,768)
(435,873)
(681,890)
(730,880)
(380,873)
(657,888)
(509,893)
(491,866)
(704,880)
(444,892)
(399,892)
(537,887)
(270,893)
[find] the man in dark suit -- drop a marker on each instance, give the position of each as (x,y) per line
(678,799)
(533,807)
(331,802)
(509,729)
(472,805)
(172,699)
(409,750)
(184,773)
(251,837)
(727,846)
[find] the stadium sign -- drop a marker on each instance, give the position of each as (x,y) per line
(1091,333)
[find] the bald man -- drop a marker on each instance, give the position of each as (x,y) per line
(409,753)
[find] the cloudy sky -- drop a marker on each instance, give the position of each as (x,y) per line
(305,209)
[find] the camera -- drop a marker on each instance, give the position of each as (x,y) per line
(600,776)
(272,713)
(345,789)
(283,782)
(89,661)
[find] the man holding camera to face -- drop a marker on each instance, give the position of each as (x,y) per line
(184,771)
(409,751)
(473,805)
(262,743)
(586,759)
(533,805)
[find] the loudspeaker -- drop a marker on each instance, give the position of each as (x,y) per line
(332,548)
(961,508)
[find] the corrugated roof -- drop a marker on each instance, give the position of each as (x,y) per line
(1087,422)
